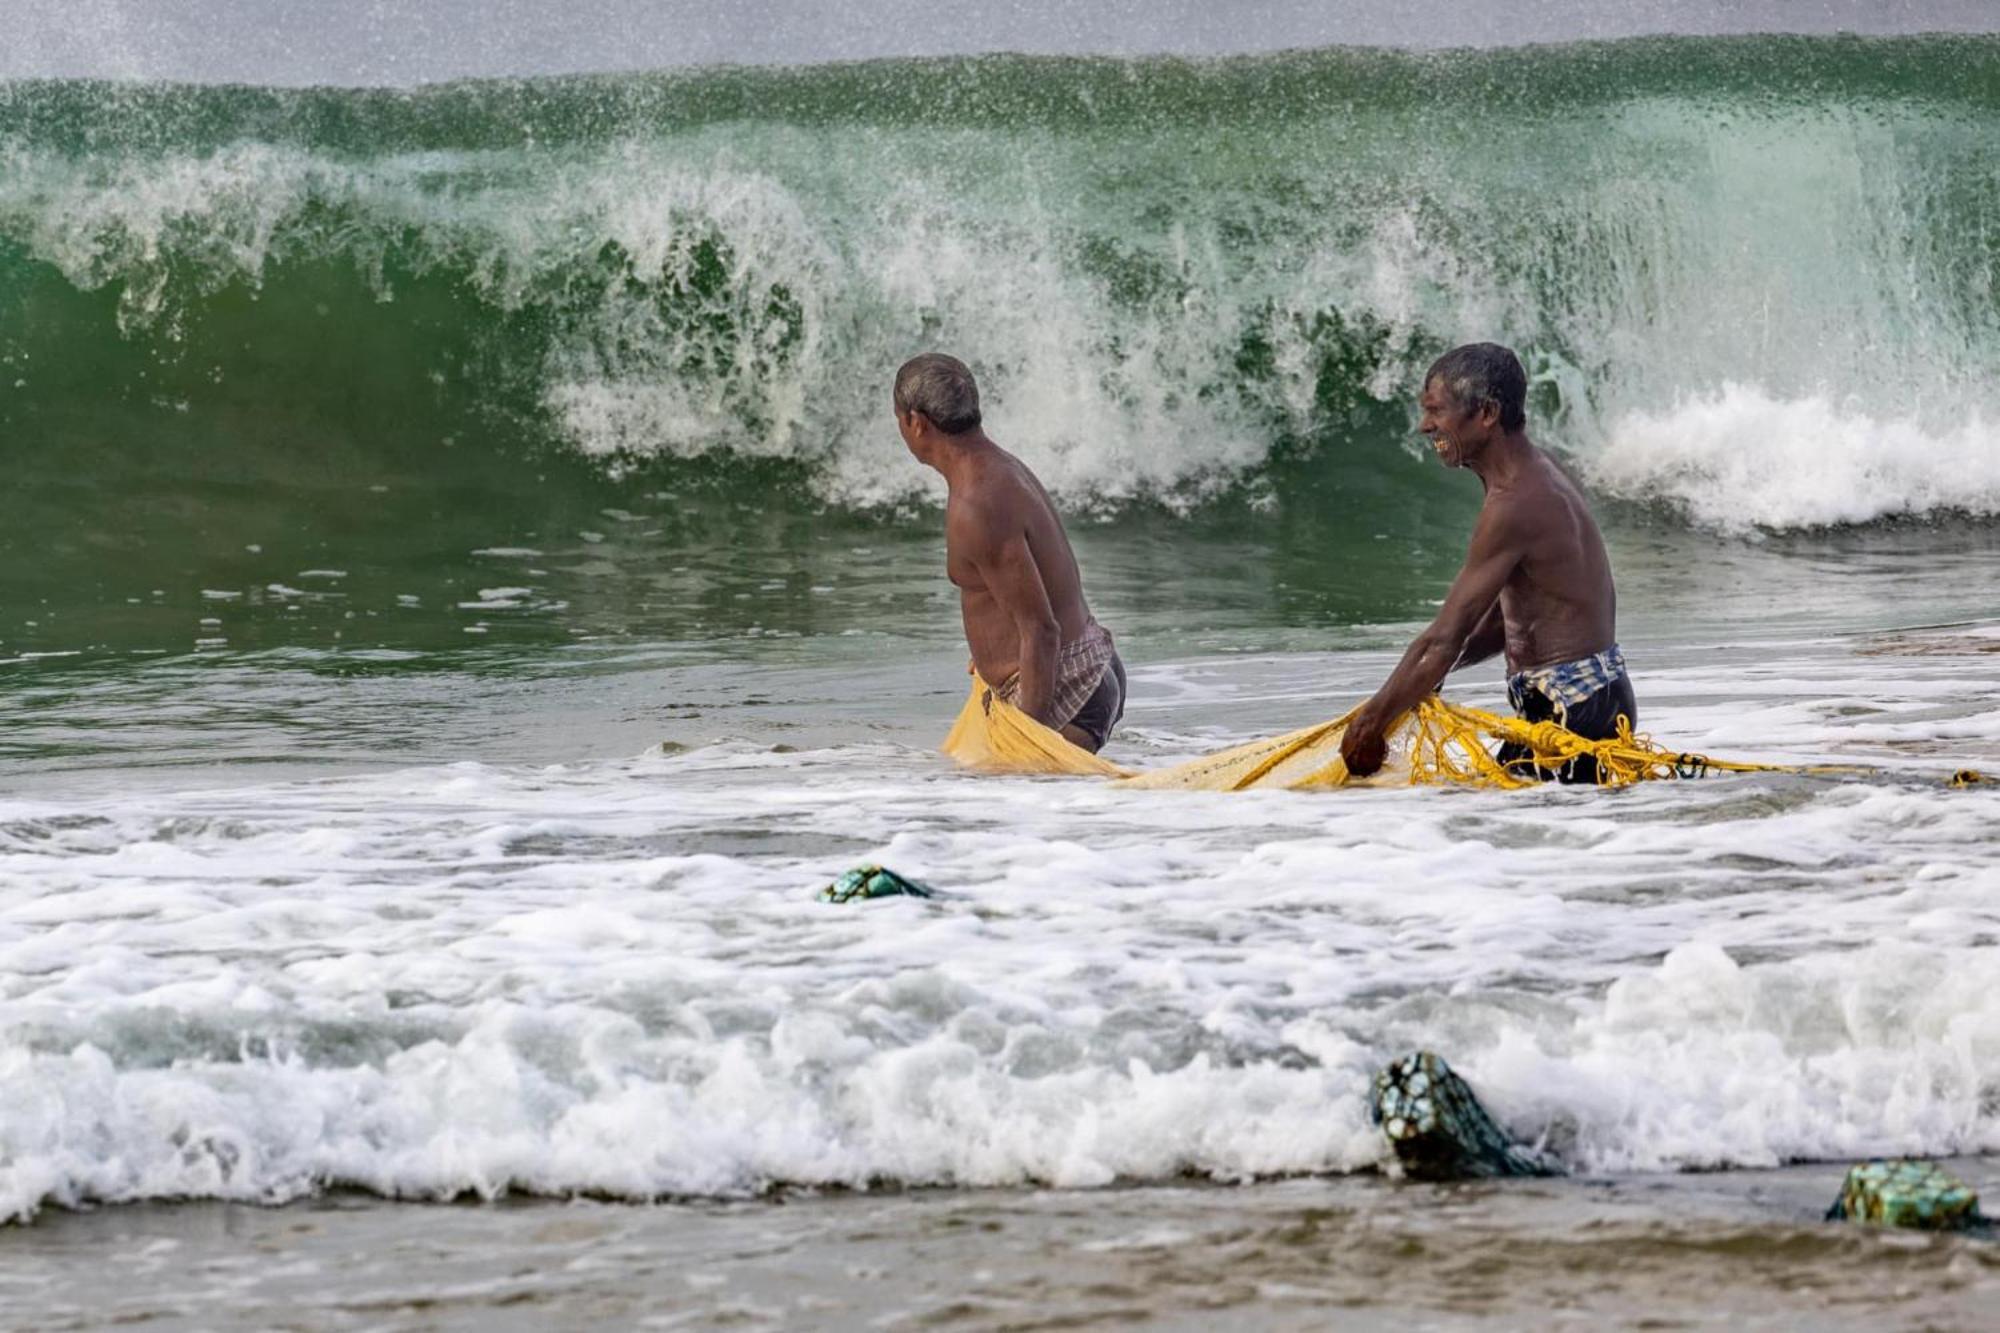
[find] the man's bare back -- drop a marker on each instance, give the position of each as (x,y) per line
(1031,635)
(1536,582)
(997,501)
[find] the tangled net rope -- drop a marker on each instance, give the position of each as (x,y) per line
(1449,745)
(1436,743)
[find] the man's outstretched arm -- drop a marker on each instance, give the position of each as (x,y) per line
(1008,568)
(1496,551)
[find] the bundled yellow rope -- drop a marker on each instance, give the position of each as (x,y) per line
(1435,743)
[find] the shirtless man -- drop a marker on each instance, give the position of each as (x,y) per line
(1031,635)
(1536,581)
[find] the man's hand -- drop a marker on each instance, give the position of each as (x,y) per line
(1364,747)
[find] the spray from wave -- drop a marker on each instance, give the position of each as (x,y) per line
(1754,279)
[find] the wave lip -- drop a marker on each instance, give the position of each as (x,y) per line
(1741,459)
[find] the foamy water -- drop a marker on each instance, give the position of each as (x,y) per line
(1741,459)
(611,975)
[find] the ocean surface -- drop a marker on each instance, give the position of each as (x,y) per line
(461,594)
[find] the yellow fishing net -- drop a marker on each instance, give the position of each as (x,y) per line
(1436,742)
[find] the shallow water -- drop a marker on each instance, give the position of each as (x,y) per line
(1739,1250)
(307,949)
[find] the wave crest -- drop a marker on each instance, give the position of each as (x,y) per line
(1173,281)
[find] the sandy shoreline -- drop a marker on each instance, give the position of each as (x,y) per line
(1741,1248)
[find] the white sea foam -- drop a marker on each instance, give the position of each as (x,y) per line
(612,976)
(1740,458)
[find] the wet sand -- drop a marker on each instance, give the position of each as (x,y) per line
(1736,1249)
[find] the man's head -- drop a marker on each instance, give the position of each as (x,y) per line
(934,396)
(1472,395)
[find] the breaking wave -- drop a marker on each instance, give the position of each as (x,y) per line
(1754,279)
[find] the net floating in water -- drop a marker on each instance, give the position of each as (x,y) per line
(1437,742)
(1437,1128)
(864,882)
(1919,1195)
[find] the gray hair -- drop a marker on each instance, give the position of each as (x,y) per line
(941,388)
(1484,373)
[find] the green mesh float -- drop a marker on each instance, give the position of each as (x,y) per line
(873,882)
(1438,1129)
(1919,1195)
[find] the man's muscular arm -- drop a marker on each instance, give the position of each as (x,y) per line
(1008,569)
(1498,544)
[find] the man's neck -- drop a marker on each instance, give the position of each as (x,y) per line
(1501,461)
(953,454)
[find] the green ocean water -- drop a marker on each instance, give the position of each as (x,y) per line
(556,359)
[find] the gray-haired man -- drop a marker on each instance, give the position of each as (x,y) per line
(1536,581)
(1031,634)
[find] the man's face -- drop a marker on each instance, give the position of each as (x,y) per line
(1455,434)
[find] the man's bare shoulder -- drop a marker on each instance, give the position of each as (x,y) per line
(1512,513)
(1000,490)
(985,513)
(1532,492)
(1560,473)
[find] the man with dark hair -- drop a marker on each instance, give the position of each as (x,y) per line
(1031,635)
(1536,582)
